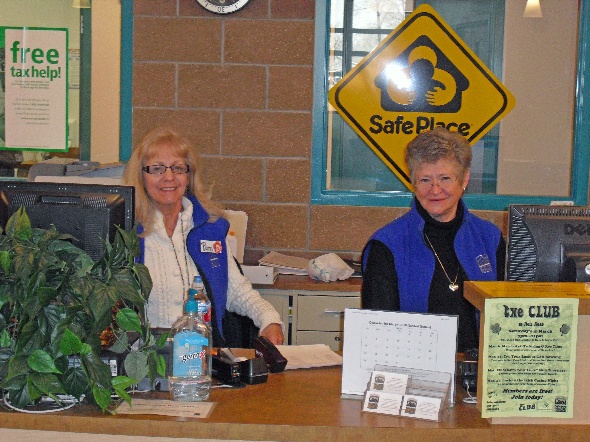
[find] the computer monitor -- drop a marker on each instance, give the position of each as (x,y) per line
(548,243)
(88,212)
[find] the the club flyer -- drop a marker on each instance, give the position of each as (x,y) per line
(529,357)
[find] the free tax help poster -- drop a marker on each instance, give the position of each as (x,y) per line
(34,92)
(529,357)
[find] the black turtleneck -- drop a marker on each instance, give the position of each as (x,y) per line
(380,290)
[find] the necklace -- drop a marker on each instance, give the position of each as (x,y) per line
(452,284)
(185,286)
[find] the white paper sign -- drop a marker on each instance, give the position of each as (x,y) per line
(36,88)
(395,339)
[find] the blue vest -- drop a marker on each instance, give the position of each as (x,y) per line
(206,246)
(476,244)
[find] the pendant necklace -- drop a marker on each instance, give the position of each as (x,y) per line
(453,284)
(185,287)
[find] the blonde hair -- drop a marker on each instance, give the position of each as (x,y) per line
(165,138)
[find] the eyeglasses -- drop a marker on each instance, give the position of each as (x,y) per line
(159,169)
(444,182)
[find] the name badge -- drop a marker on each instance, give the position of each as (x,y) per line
(211,247)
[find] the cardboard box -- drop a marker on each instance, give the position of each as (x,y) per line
(261,274)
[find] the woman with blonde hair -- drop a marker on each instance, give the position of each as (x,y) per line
(182,234)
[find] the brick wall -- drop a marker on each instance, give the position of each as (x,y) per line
(240,87)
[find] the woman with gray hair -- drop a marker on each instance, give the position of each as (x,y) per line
(418,262)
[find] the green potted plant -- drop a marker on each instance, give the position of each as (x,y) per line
(56,302)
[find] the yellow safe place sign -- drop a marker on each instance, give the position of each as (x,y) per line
(421,76)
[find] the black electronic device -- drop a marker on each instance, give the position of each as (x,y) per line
(225,370)
(239,371)
(272,356)
(87,212)
(253,371)
(468,370)
(548,243)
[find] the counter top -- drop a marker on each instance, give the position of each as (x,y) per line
(295,405)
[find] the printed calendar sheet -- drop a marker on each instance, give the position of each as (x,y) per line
(397,339)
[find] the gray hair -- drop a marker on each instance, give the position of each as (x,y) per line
(436,144)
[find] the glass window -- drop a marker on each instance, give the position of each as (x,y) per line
(99,95)
(532,155)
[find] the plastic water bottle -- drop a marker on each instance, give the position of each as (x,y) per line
(199,294)
(191,356)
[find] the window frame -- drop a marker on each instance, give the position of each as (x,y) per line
(126,109)
(581,144)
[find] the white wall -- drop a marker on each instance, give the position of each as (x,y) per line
(106,74)
(536,138)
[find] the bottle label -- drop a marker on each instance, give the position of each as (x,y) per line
(205,311)
(190,351)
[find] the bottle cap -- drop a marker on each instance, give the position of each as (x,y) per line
(191,306)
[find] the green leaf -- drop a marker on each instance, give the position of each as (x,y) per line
(161,365)
(128,320)
(5,339)
(70,343)
(162,339)
(102,396)
(18,391)
(136,365)
(19,225)
(42,362)
(102,299)
(120,384)
(5,260)
(34,392)
(98,371)
(5,355)
(123,382)
(123,395)
(145,280)
(17,366)
(47,383)
(75,382)
(86,349)
(127,286)
(30,338)
(121,344)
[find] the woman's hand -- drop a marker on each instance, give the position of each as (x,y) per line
(274,333)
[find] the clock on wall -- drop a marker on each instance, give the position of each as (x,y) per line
(223,6)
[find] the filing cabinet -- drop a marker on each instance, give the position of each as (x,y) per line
(313,316)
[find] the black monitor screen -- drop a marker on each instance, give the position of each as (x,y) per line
(548,243)
(88,212)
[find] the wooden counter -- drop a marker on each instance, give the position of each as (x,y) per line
(296,405)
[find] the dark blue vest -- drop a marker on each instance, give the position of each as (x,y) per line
(206,246)
(476,244)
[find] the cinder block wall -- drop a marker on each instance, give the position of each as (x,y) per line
(241,88)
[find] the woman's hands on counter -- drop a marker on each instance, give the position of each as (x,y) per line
(274,333)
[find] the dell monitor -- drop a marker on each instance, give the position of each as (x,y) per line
(87,212)
(548,243)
